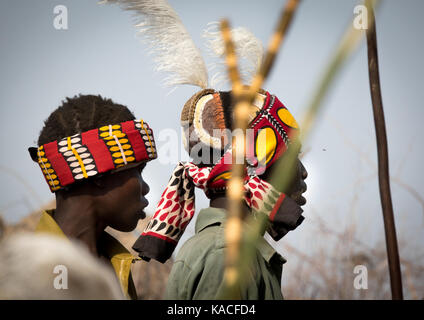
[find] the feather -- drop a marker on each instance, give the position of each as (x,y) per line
(170,44)
(248,48)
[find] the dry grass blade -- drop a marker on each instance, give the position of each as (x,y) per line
(235,186)
(275,43)
(234,268)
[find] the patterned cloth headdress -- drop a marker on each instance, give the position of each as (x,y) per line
(94,152)
(271,127)
(207,112)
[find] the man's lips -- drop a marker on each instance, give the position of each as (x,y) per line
(143,204)
(300,200)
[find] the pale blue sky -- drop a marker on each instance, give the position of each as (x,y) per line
(100,54)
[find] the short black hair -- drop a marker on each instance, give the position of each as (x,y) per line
(82,113)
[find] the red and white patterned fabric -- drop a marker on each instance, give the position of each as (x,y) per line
(177,206)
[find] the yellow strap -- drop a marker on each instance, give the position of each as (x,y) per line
(44,165)
(84,173)
(148,136)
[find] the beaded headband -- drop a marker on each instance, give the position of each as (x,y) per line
(87,154)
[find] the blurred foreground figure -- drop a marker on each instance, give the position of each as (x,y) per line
(46,267)
(92,152)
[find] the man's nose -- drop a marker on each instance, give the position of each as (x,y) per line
(144,188)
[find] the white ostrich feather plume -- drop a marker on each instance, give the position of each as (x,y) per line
(172,48)
(249,51)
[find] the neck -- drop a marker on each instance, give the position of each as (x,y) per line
(222,202)
(219,202)
(77,217)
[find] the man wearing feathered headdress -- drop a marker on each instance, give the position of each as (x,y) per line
(207,118)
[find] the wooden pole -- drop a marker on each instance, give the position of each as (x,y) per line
(383,158)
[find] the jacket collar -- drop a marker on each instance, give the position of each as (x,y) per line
(120,258)
(216,216)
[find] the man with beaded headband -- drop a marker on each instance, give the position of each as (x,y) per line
(206,120)
(92,152)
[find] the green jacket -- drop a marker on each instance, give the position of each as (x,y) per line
(198,270)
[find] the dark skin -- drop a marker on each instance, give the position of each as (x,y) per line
(295,191)
(116,200)
(298,185)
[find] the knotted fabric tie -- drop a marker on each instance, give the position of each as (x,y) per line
(176,208)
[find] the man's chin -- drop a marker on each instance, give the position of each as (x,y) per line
(128,228)
(141,214)
(130,224)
